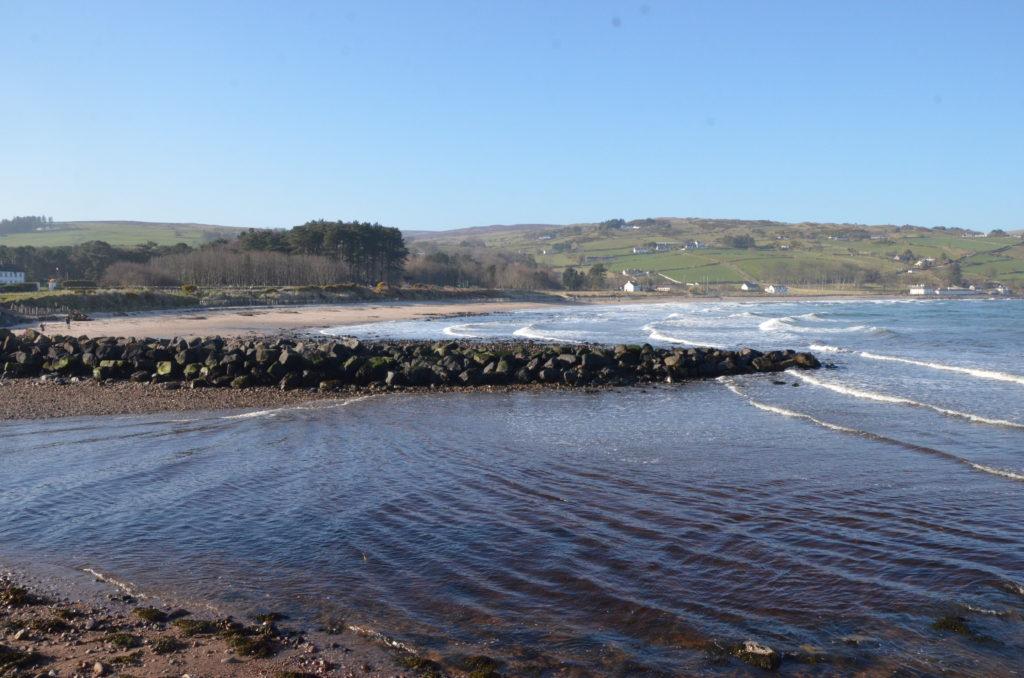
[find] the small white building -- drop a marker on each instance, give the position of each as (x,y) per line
(642,250)
(777,289)
(634,286)
(11,277)
(750,287)
(922,290)
(955,292)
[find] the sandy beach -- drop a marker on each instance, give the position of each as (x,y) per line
(291,320)
(281,320)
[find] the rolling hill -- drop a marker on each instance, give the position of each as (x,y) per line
(805,254)
(124,233)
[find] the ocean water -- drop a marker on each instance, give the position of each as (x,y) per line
(835,514)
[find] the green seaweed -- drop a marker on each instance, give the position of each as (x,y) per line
(168,646)
(196,627)
(123,641)
(150,615)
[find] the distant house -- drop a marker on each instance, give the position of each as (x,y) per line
(955,292)
(663,288)
(663,247)
(634,286)
(642,250)
(921,290)
(927,262)
(777,289)
(694,245)
(750,287)
(11,277)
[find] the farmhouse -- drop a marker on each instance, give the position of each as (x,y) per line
(750,287)
(634,286)
(777,289)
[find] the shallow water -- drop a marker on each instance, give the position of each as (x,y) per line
(619,531)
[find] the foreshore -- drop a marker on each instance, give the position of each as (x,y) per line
(56,375)
(259,321)
(59,622)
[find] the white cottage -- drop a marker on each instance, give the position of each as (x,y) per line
(750,287)
(777,289)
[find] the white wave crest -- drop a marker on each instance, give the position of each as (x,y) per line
(788,324)
(898,400)
(826,348)
(296,408)
(657,335)
(531,332)
(774,325)
(972,371)
(459,331)
(998,471)
(252,415)
(1004,473)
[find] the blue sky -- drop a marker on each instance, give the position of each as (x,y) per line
(448,114)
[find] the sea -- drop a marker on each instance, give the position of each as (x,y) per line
(841,516)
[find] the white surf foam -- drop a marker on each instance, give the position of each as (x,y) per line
(972,371)
(898,400)
(459,331)
(296,408)
(531,332)
(788,324)
(657,335)
(252,415)
(826,348)
(1011,475)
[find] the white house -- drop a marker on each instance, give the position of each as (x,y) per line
(921,290)
(642,250)
(750,287)
(955,292)
(777,289)
(634,286)
(11,277)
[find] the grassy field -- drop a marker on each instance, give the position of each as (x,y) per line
(782,251)
(124,233)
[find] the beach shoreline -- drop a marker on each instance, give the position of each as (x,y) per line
(300,320)
(85,622)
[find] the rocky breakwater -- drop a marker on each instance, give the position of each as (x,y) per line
(346,363)
(332,365)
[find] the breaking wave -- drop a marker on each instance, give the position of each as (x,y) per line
(789,324)
(1004,473)
(898,400)
(462,331)
(531,332)
(656,334)
(973,371)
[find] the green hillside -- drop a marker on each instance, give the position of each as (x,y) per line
(125,233)
(809,255)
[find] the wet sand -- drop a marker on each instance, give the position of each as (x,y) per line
(65,623)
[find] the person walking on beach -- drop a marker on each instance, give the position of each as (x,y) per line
(42,327)
(67,320)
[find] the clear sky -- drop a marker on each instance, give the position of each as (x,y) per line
(442,114)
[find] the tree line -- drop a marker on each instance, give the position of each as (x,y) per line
(316,253)
(24,224)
